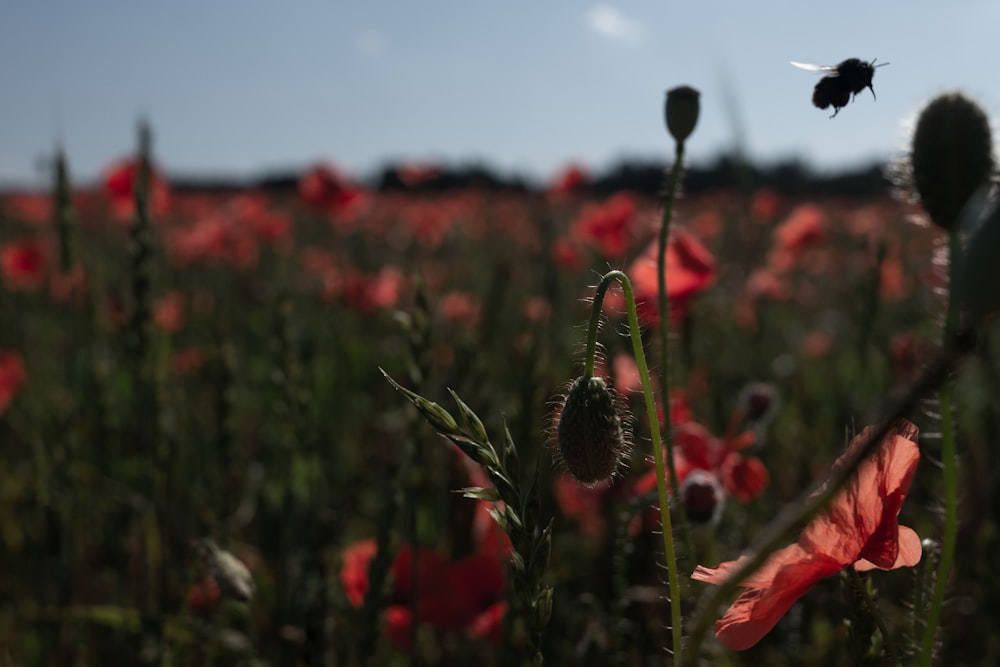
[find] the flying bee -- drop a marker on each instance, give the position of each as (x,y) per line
(841,81)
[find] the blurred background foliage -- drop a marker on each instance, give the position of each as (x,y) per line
(235,395)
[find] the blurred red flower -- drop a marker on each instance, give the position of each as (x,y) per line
(764,205)
(583,503)
(30,207)
(607,226)
(12,377)
(169,311)
(119,183)
(804,227)
(569,180)
(859,528)
(459,596)
(415,174)
(325,188)
(690,269)
(203,597)
(744,477)
(24,264)
(369,293)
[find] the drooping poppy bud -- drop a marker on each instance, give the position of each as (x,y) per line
(591,435)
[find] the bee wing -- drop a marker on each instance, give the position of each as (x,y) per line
(829,69)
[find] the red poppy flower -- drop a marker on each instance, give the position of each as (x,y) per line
(805,226)
(696,449)
(583,503)
(169,311)
(570,179)
(415,174)
(325,188)
(30,207)
(119,185)
(354,570)
(859,528)
(203,597)
(12,377)
(450,595)
(607,226)
(24,265)
(690,269)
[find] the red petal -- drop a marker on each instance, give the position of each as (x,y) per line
(788,574)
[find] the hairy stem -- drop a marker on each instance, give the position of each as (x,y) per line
(654,432)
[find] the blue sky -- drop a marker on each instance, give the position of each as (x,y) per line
(240,88)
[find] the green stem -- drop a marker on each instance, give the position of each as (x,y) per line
(862,589)
(664,305)
(950,468)
(654,433)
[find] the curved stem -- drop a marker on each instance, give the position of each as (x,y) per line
(664,305)
(950,468)
(654,433)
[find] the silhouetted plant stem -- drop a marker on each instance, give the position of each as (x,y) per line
(146,414)
(949,463)
(860,587)
(664,306)
(654,433)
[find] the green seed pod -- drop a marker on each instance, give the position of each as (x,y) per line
(681,112)
(952,156)
(591,440)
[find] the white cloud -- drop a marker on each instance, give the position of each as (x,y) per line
(370,44)
(610,23)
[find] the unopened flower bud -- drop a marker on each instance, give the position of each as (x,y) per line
(591,441)
(758,402)
(681,112)
(702,497)
(952,156)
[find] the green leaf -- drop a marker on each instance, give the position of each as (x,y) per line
(486,493)
(438,417)
(473,424)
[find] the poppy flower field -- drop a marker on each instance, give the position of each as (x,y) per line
(338,424)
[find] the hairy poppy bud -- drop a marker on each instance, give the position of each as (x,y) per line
(590,437)
(681,112)
(702,497)
(952,156)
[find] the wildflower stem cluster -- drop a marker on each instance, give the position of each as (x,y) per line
(519,515)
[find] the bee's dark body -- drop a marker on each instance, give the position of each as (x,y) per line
(842,81)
